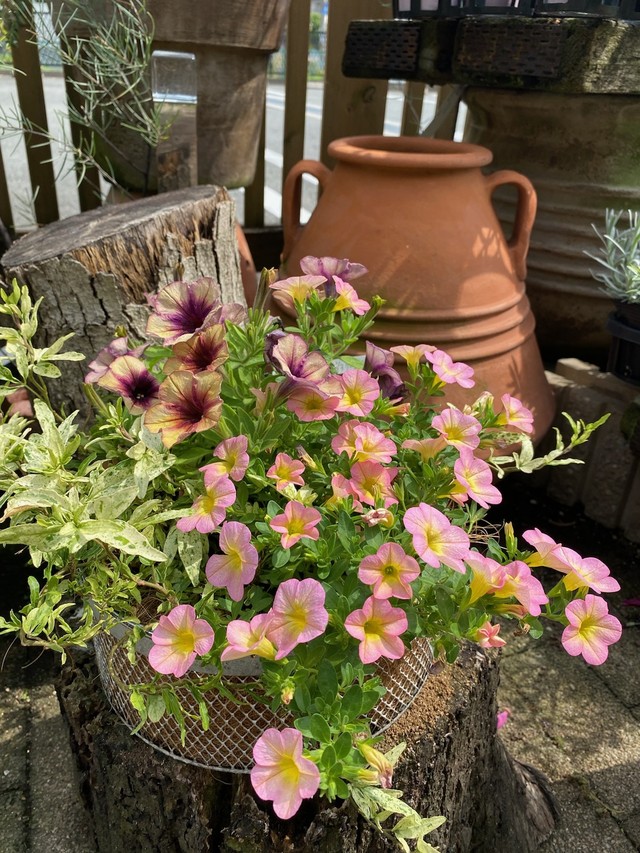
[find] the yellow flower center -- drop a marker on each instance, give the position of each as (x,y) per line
(373,627)
(184,642)
(298,615)
(353,395)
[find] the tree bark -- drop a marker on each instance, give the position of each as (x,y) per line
(455,765)
(93,271)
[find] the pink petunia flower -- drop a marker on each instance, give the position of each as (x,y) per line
(286,471)
(523,586)
(210,509)
(186,404)
(295,523)
(390,571)
(488,575)
(298,614)
(428,448)
(249,638)
(457,429)
(236,566)
(547,550)
(291,356)
(475,476)
(515,415)
(586,571)
(379,762)
(234,458)
(450,371)
(363,442)
(129,377)
(380,516)
(348,298)
(358,391)
(435,539)
(178,639)
(342,489)
(328,267)
(591,629)
(378,626)
(413,355)
(487,636)
(310,403)
(206,350)
(281,773)
(297,288)
(119,346)
(371,483)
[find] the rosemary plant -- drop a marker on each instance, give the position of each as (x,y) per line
(106,58)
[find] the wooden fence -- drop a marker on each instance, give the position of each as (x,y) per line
(351,106)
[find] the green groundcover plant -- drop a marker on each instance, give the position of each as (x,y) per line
(263,492)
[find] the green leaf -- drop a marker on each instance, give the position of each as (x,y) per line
(139,703)
(156,707)
(445,603)
(122,536)
(281,557)
(319,729)
(327,681)
(45,368)
(302,698)
(190,549)
(351,706)
(328,758)
(343,745)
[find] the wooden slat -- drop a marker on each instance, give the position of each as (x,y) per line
(89,178)
(31,97)
(296,84)
(254,194)
(351,106)
(412,108)
(5,204)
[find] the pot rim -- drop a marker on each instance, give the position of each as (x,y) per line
(409,152)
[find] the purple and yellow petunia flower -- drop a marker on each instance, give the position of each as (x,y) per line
(183,308)
(187,403)
(206,350)
(130,377)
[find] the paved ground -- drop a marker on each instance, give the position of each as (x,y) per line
(579,724)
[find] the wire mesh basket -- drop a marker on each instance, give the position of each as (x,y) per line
(235,726)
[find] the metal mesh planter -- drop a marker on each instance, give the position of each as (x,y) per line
(235,727)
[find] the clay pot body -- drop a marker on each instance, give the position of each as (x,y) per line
(417,213)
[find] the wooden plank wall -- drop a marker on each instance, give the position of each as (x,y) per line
(351,107)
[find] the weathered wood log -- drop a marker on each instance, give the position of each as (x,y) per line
(455,765)
(94,270)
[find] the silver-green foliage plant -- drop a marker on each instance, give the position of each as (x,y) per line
(619,255)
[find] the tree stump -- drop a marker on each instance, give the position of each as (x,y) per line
(455,765)
(93,271)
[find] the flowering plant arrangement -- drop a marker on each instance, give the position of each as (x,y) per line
(246,490)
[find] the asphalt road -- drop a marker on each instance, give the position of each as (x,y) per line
(14,157)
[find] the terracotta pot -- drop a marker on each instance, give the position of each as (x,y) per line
(418,214)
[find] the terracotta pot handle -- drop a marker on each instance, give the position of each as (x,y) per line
(525,215)
(292,198)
